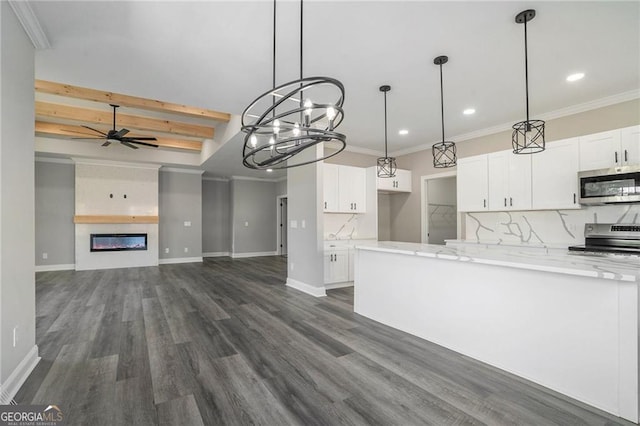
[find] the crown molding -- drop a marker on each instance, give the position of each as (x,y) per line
(552,115)
(30,23)
(215,179)
(98,162)
(255,179)
(53,160)
(179,170)
(365,151)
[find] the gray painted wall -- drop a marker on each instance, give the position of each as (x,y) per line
(54,210)
(281,187)
(216,218)
(17,237)
(306,245)
(179,201)
(253,216)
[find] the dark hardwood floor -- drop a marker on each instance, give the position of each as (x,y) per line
(225,342)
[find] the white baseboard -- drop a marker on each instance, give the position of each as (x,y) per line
(16,379)
(254,254)
(63,267)
(338,285)
(179,260)
(216,254)
(306,288)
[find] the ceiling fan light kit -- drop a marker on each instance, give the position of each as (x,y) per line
(528,136)
(386,165)
(286,120)
(444,152)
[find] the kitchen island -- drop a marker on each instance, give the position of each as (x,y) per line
(567,322)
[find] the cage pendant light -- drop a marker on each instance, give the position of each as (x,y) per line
(386,165)
(444,153)
(290,118)
(528,135)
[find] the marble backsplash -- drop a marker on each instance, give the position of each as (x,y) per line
(552,227)
(349,226)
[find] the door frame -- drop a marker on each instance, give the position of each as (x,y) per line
(278,219)
(424,222)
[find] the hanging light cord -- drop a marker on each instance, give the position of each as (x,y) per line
(274,46)
(301,16)
(526,70)
(385,125)
(442,102)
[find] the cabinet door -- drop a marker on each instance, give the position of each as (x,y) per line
(403,181)
(555,176)
(386,184)
(600,151)
(336,266)
(331,188)
(352,189)
(472,184)
(498,164)
(519,181)
(630,138)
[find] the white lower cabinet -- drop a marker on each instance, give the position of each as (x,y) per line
(336,265)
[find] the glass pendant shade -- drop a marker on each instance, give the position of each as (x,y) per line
(528,135)
(444,153)
(386,165)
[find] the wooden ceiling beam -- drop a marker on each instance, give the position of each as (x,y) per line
(90,116)
(56,129)
(84,93)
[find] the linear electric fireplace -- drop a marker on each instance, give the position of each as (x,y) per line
(118,242)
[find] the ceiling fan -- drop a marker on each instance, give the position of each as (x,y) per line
(114,135)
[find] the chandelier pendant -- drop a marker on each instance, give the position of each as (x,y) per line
(444,152)
(386,165)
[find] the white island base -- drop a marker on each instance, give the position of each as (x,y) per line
(572,333)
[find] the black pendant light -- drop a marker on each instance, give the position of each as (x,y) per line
(386,165)
(528,135)
(444,153)
(288,119)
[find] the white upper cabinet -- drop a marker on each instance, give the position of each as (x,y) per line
(401,182)
(614,148)
(555,176)
(344,189)
(630,141)
(509,181)
(472,184)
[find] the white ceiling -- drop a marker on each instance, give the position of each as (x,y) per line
(217,55)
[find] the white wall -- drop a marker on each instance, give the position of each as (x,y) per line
(104,188)
(17,284)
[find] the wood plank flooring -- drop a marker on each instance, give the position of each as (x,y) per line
(225,342)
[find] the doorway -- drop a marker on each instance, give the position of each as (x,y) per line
(439,208)
(281,239)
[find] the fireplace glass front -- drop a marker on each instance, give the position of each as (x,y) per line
(118,242)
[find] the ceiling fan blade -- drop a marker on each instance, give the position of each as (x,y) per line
(120,133)
(106,143)
(142,143)
(92,129)
(88,138)
(125,143)
(141,139)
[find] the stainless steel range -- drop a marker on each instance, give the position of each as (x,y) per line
(610,238)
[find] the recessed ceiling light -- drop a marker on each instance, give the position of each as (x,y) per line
(469,111)
(575,77)
(403,132)
(269,170)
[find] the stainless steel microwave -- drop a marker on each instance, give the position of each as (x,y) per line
(615,185)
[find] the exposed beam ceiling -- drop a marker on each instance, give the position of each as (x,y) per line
(84,93)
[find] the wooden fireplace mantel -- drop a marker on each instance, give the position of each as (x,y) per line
(114,219)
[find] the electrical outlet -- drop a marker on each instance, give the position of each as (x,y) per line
(303,223)
(166,250)
(246,224)
(186,249)
(45,255)
(187,223)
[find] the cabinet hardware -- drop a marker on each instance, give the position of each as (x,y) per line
(625,156)
(355,206)
(325,204)
(616,154)
(510,202)
(505,201)
(574,198)
(484,202)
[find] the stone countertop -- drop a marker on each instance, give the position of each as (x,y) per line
(620,268)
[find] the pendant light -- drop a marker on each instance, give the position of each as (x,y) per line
(528,135)
(288,119)
(386,165)
(444,153)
